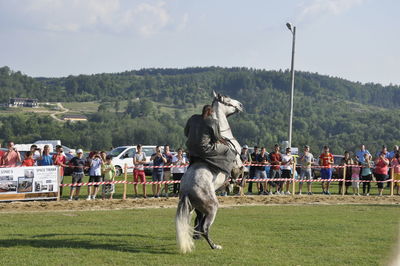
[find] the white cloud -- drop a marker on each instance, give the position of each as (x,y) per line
(182,25)
(317,8)
(119,16)
(146,18)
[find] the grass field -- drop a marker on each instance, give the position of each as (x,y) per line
(268,235)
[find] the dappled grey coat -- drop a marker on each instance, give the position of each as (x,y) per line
(203,142)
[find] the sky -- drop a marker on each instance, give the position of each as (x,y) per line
(357,40)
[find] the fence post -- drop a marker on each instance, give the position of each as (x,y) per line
(294,178)
(344,180)
(392,181)
(59,183)
(125,179)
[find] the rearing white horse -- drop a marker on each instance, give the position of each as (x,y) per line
(198,184)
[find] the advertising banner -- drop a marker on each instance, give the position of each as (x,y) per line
(29,183)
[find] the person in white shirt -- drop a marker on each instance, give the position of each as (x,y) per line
(306,160)
(138,160)
(95,164)
(286,166)
(177,172)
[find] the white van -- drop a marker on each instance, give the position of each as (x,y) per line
(124,155)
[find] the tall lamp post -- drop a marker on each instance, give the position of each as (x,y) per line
(293,30)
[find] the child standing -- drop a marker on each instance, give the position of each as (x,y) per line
(355,178)
(396,168)
(108,171)
(28,161)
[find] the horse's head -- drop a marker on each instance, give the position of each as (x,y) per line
(228,105)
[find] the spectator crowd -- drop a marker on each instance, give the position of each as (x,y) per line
(361,167)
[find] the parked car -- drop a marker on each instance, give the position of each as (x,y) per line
(124,155)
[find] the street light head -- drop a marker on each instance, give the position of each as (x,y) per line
(289,26)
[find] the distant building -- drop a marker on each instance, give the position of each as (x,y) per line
(74,118)
(22,102)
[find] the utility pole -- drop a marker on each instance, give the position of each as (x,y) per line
(293,31)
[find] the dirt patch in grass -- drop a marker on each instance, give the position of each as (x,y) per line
(230,201)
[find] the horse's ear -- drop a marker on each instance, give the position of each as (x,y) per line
(215,94)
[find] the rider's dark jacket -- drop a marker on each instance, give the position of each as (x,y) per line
(203,143)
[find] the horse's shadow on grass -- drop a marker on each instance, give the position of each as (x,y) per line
(43,241)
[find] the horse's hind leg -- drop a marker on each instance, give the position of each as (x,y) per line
(208,221)
(198,227)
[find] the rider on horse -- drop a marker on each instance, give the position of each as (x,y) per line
(205,143)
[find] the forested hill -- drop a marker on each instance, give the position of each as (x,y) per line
(190,85)
(328,110)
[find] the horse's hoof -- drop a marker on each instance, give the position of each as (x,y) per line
(217,247)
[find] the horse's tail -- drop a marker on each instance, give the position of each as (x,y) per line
(184,232)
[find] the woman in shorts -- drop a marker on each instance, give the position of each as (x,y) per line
(158,161)
(381,170)
(95,175)
(287,161)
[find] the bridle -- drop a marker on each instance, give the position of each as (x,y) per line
(220,100)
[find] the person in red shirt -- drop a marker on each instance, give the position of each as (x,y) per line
(275,158)
(28,161)
(60,160)
(11,157)
(326,161)
(381,170)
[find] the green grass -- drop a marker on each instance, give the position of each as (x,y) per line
(268,235)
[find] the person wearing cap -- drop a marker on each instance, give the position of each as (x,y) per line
(78,165)
(306,161)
